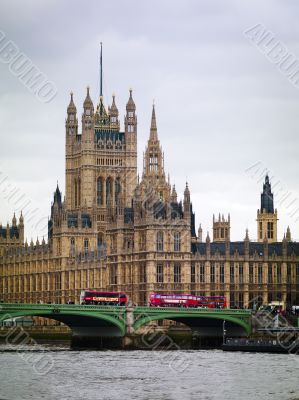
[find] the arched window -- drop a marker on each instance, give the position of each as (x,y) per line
(177,241)
(159,273)
(79,192)
(72,247)
(117,189)
(86,246)
(160,241)
(102,249)
(108,190)
(100,191)
(76,192)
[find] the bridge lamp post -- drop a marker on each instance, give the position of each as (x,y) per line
(224,331)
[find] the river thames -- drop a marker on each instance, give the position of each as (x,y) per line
(59,373)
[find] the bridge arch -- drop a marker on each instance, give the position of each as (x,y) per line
(82,323)
(205,323)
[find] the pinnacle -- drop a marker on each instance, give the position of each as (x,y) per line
(153,131)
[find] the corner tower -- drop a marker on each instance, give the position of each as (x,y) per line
(266,215)
(221,229)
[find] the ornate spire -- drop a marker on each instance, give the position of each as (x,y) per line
(208,240)
(247,235)
(200,233)
(153,132)
(14,220)
(57,195)
(187,193)
(288,235)
(174,196)
(21,220)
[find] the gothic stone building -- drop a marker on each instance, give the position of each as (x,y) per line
(114,231)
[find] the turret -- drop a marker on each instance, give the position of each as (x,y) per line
(21,228)
(71,123)
(130,107)
(208,245)
(21,219)
(200,233)
(14,220)
(221,228)
(174,196)
(88,112)
(130,118)
(288,235)
(187,203)
(113,111)
(266,215)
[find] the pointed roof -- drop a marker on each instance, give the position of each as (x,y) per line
(267,201)
(174,195)
(187,191)
(88,102)
(288,235)
(247,235)
(130,104)
(208,240)
(113,108)
(153,131)
(71,107)
(57,195)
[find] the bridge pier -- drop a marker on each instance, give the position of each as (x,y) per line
(130,320)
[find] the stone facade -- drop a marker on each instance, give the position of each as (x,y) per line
(115,231)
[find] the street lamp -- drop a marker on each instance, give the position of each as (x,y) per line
(224,331)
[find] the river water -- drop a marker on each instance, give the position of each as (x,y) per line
(60,373)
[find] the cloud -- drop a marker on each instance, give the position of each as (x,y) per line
(220,104)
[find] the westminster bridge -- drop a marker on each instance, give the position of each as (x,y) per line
(92,321)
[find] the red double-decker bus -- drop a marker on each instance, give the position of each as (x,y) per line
(211,301)
(172,300)
(103,298)
(186,300)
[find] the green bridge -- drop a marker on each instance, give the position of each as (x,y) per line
(108,321)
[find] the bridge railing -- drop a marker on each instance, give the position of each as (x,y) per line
(18,306)
(7,306)
(183,310)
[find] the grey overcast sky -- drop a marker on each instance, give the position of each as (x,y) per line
(225,112)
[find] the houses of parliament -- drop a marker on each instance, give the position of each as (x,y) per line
(117,231)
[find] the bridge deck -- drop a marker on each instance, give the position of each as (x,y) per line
(79,307)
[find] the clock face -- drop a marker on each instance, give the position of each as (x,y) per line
(88,111)
(72,117)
